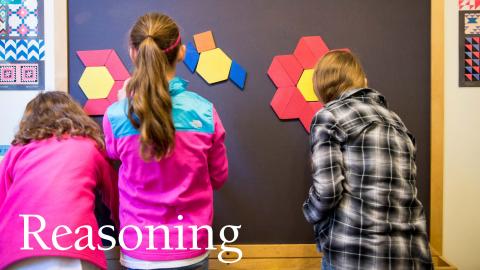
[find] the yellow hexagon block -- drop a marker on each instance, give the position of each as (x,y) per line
(214,66)
(305,85)
(96,82)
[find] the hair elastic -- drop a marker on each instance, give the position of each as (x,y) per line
(174,45)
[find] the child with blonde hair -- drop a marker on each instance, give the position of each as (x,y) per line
(363,202)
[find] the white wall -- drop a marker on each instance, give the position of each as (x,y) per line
(462,157)
(12,103)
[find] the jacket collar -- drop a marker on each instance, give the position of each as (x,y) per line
(362,92)
(177,85)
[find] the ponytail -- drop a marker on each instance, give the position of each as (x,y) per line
(150,106)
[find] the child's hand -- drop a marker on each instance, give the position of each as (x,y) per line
(122,93)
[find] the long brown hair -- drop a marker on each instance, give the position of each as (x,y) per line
(156,40)
(54,113)
(337,72)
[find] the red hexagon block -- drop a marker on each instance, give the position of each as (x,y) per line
(309,50)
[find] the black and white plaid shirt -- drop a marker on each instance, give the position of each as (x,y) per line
(363,202)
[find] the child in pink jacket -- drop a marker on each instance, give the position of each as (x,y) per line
(48,179)
(171,145)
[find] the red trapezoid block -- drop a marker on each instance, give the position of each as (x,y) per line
(278,74)
(308,113)
(291,65)
(309,50)
(96,107)
(112,96)
(116,67)
(94,58)
(288,103)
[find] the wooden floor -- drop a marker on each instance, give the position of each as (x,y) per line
(273,257)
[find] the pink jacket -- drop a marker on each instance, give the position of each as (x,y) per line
(56,180)
(156,193)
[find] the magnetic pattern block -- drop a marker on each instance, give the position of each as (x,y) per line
(191,57)
(472,59)
(23,19)
(211,63)
(104,75)
(469,4)
(19,74)
(472,23)
(292,75)
(22,50)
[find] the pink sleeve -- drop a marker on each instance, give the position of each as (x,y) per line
(110,142)
(217,157)
(108,186)
(5,176)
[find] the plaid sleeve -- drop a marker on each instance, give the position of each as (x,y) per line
(326,138)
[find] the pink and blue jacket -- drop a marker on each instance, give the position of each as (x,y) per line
(155,193)
(55,179)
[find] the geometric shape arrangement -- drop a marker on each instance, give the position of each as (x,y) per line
(22,50)
(204,41)
(469,4)
(469,37)
(23,19)
(3,19)
(472,59)
(19,74)
(472,23)
(103,77)
(21,41)
(214,66)
(211,63)
(292,75)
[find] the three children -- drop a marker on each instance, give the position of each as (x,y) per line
(170,142)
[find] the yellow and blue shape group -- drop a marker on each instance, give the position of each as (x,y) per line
(212,63)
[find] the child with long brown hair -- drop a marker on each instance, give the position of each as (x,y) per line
(363,202)
(49,176)
(171,145)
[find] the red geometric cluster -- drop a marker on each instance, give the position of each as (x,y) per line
(116,68)
(285,72)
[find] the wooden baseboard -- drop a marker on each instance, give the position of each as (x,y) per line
(270,257)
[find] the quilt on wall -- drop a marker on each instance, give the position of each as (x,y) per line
(22,45)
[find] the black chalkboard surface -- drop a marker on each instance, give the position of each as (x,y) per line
(269,167)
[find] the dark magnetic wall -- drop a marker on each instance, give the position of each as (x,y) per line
(269,163)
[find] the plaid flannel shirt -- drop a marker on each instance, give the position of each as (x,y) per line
(363,202)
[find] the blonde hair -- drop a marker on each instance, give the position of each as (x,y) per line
(156,39)
(335,73)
